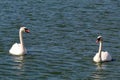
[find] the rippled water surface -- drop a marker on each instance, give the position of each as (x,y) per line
(61,43)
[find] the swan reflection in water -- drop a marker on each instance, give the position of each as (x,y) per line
(99,72)
(18,62)
(101,66)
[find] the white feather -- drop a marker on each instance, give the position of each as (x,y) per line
(18,48)
(105,56)
(101,56)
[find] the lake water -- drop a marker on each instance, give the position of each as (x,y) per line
(61,43)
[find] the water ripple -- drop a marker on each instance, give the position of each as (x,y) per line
(61,43)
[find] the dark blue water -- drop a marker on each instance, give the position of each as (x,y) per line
(61,43)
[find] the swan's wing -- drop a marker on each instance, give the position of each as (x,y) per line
(96,57)
(106,56)
(15,48)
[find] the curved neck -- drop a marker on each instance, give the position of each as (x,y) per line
(100,50)
(21,38)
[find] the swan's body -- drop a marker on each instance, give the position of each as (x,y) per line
(101,56)
(105,56)
(18,48)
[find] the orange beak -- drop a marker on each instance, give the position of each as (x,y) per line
(27,30)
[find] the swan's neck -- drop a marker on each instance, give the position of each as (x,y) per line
(21,39)
(100,50)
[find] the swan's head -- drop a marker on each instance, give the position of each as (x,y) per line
(24,29)
(99,38)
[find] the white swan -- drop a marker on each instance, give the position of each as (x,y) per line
(18,48)
(101,56)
